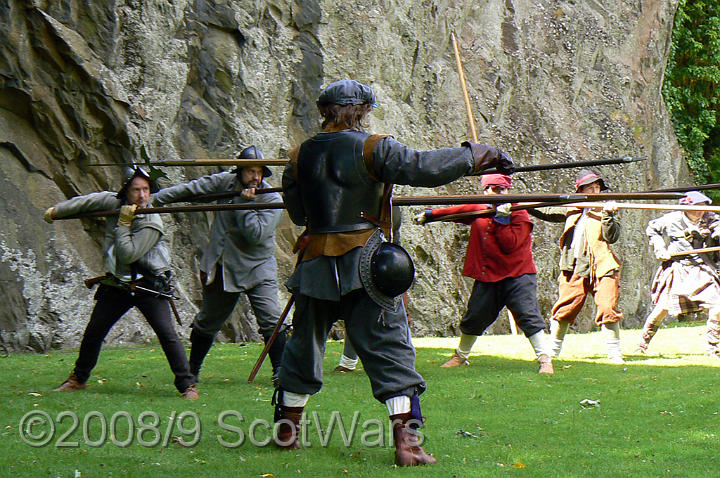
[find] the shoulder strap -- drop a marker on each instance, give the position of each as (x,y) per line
(368,156)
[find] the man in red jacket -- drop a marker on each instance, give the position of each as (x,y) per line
(499,258)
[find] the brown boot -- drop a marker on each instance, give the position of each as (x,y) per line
(288,430)
(71,384)
(408,451)
(546,365)
(191,393)
(455,361)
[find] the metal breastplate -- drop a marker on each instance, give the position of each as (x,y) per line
(335,185)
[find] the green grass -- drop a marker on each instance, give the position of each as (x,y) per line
(657,415)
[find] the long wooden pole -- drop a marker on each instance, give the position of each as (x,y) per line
(463,85)
(698,187)
(205,162)
(490,212)
(227,195)
(272,339)
(570,204)
(653,207)
(282,161)
(403,201)
(471,122)
(695,251)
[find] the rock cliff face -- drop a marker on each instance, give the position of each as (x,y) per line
(83,83)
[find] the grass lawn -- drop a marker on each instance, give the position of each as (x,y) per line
(657,415)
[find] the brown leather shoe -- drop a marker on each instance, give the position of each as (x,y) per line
(71,384)
(408,451)
(191,393)
(455,361)
(546,365)
(341,369)
(288,431)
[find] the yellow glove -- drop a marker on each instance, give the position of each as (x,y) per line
(49,215)
(127,214)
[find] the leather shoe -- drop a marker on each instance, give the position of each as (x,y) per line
(71,384)
(191,393)
(546,365)
(455,361)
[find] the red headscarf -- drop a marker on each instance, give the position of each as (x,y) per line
(499,180)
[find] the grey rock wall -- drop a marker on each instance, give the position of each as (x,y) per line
(83,83)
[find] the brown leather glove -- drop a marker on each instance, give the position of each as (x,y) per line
(50,215)
(127,214)
(487,156)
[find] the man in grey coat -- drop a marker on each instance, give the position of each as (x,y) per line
(240,257)
(136,255)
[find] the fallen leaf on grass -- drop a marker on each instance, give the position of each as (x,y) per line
(463,433)
(179,440)
(589,403)
(519,465)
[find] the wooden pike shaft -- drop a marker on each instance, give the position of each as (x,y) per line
(655,207)
(222,162)
(271,340)
(190,208)
(695,251)
(227,195)
(524,198)
(570,204)
(547,199)
(463,85)
(207,162)
(698,187)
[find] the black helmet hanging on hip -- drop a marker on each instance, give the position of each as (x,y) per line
(251,152)
(130,173)
(386,271)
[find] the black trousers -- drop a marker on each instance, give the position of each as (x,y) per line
(518,294)
(112,303)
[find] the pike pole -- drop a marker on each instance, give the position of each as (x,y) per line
(471,122)
(695,251)
(463,85)
(550,199)
(271,340)
(570,204)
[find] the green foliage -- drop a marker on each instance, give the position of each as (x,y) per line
(692,85)
(655,416)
